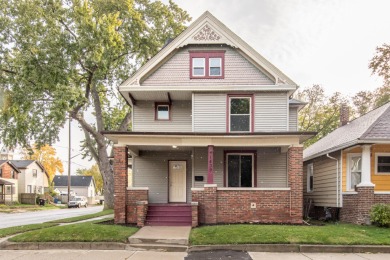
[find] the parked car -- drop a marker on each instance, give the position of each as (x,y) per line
(77,202)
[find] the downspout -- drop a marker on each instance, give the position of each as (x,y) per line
(337,178)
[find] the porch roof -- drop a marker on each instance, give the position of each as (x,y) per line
(190,139)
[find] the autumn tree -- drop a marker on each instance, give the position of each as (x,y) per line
(46,155)
(322,112)
(65,58)
(95,173)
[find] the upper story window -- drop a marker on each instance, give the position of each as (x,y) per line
(35,173)
(162,111)
(207,64)
(1,173)
(382,163)
(240,114)
(12,174)
(310,178)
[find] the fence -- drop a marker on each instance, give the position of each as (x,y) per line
(28,198)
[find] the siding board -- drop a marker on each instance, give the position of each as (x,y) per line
(293,119)
(209,112)
(271,111)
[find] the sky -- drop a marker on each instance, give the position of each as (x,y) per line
(312,41)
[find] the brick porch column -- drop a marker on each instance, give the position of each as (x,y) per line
(120,184)
(210,203)
(210,164)
(295,180)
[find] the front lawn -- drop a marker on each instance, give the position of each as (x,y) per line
(18,208)
(330,234)
(21,229)
(82,232)
(79,218)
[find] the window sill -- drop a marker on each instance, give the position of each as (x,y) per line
(254,189)
(350,192)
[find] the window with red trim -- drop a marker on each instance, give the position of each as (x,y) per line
(162,111)
(206,65)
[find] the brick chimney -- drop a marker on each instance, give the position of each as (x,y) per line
(344,114)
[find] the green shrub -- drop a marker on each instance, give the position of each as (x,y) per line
(380,215)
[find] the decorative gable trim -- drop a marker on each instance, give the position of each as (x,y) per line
(207,30)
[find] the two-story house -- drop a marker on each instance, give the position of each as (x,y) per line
(8,182)
(214,138)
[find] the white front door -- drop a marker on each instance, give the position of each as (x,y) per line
(177,181)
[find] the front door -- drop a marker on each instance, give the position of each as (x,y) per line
(177,181)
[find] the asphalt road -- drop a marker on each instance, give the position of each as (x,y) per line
(25,218)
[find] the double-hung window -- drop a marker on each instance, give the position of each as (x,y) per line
(354,171)
(310,177)
(240,114)
(382,163)
(162,111)
(207,65)
(240,169)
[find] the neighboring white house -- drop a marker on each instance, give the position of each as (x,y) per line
(32,178)
(80,185)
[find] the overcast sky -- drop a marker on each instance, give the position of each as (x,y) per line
(313,42)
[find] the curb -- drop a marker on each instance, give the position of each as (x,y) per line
(295,248)
(62,245)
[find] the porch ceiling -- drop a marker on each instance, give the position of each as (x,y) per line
(182,140)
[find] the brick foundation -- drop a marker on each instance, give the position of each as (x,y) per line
(120,184)
(194,214)
(142,209)
(356,207)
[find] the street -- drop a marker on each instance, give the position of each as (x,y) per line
(25,218)
(146,255)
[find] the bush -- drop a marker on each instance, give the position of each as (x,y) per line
(380,215)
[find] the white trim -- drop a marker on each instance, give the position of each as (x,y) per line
(193,168)
(341,178)
(252,189)
(193,67)
(376,164)
(288,115)
(197,189)
(253,167)
(382,192)
(220,66)
(137,188)
(210,185)
(348,173)
(206,88)
(349,192)
(308,190)
(192,111)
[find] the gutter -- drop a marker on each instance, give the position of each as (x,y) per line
(337,178)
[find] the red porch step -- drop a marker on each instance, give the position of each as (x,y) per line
(169,215)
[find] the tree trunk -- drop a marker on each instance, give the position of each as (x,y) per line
(108,178)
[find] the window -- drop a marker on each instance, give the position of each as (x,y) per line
(354,171)
(35,172)
(12,174)
(162,111)
(29,189)
(1,173)
(382,163)
(240,114)
(207,64)
(240,169)
(310,177)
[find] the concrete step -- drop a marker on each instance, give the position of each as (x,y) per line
(171,218)
(158,241)
(170,208)
(170,213)
(168,223)
(157,247)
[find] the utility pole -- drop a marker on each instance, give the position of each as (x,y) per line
(69,158)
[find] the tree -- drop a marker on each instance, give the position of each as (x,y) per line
(321,114)
(46,155)
(380,65)
(64,58)
(95,173)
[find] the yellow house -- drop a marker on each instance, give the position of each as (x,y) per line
(348,170)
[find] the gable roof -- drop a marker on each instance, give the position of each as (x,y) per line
(23,164)
(11,164)
(208,30)
(369,128)
(75,180)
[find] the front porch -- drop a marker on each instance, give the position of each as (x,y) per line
(250,181)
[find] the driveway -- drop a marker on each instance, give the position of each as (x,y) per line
(25,218)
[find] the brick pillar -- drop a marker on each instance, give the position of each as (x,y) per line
(210,203)
(295,180)
(142,209)
(365,201)
(194,213)
(120,184)
(210,164)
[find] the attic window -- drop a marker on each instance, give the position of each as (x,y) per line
(162,111)
(207,64)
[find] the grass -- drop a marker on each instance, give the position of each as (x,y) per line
(17,207)
(21,229)
(79,218)
(83,232)
(330,234)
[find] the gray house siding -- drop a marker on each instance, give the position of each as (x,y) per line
(144,118)
(293,119)
(209,112)
(325,183)
(271,111)
(271,167)
(176,71)
(150,169)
